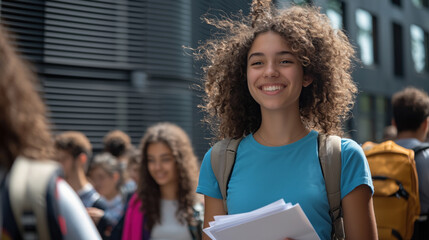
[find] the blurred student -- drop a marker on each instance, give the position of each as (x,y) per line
(163,203)
(389,133)
(25,144)
(411,118)
(106,175)
(73,151)
(118,143)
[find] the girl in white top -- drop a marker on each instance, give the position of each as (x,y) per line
(167,183)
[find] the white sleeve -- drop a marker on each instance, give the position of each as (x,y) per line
(77,221)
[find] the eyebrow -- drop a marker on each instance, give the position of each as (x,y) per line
(261,54)
(163,155)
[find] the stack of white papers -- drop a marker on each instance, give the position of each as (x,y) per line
(275,221)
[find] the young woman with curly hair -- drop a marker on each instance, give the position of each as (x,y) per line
(163,203)
(278,78)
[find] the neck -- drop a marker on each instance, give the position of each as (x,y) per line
(412,134)
(111,195)
(280,128)
(77,180)
(169,191)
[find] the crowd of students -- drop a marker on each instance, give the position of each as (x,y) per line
(161,173)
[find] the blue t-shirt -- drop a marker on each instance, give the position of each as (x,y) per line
(263,174)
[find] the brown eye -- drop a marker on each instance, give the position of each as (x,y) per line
(255,63)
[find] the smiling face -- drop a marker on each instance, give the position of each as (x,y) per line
(161,164)
(275,76)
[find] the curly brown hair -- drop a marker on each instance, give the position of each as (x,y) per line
(23,124)
(186,162)
(325,54)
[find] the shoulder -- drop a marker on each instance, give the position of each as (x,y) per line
(350,147)
(355,168)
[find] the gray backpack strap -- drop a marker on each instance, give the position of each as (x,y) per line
(222,159)
(28,185)
(330,160)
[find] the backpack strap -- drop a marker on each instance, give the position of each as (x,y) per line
(420,148)
(222,160)
(29,180)
(330,160)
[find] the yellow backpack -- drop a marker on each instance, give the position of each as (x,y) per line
(396,196)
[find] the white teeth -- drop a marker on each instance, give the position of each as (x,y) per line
(272,88)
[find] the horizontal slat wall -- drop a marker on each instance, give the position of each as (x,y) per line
(91,33)
(146,35)
(96,107)
(169,28)
(26,20)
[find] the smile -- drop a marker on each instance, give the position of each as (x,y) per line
(272,88)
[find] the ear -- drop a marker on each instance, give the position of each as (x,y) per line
(82,158)
(425,125)
(307,80)
(116,176)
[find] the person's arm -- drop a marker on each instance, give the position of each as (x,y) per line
(358,212)
(78,224)
(212,207)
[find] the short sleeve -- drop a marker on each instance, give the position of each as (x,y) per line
(207,183)
(354,167)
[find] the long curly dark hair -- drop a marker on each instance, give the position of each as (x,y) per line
(23,124)
(186,163)
(325,54)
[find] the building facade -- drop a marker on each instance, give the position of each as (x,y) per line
(391,39)
(107,64)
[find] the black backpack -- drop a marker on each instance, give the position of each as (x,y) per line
(421,226)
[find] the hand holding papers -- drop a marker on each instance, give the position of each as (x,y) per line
(275,221)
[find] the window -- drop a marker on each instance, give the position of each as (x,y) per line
(366,37)
(373,117)
(365,123)
(380,112)
(303,2)
(421,3)
(398,51)
(419,49)
(287,3)
(336,14)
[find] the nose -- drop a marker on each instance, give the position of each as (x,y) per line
(157,165)
(271,70)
